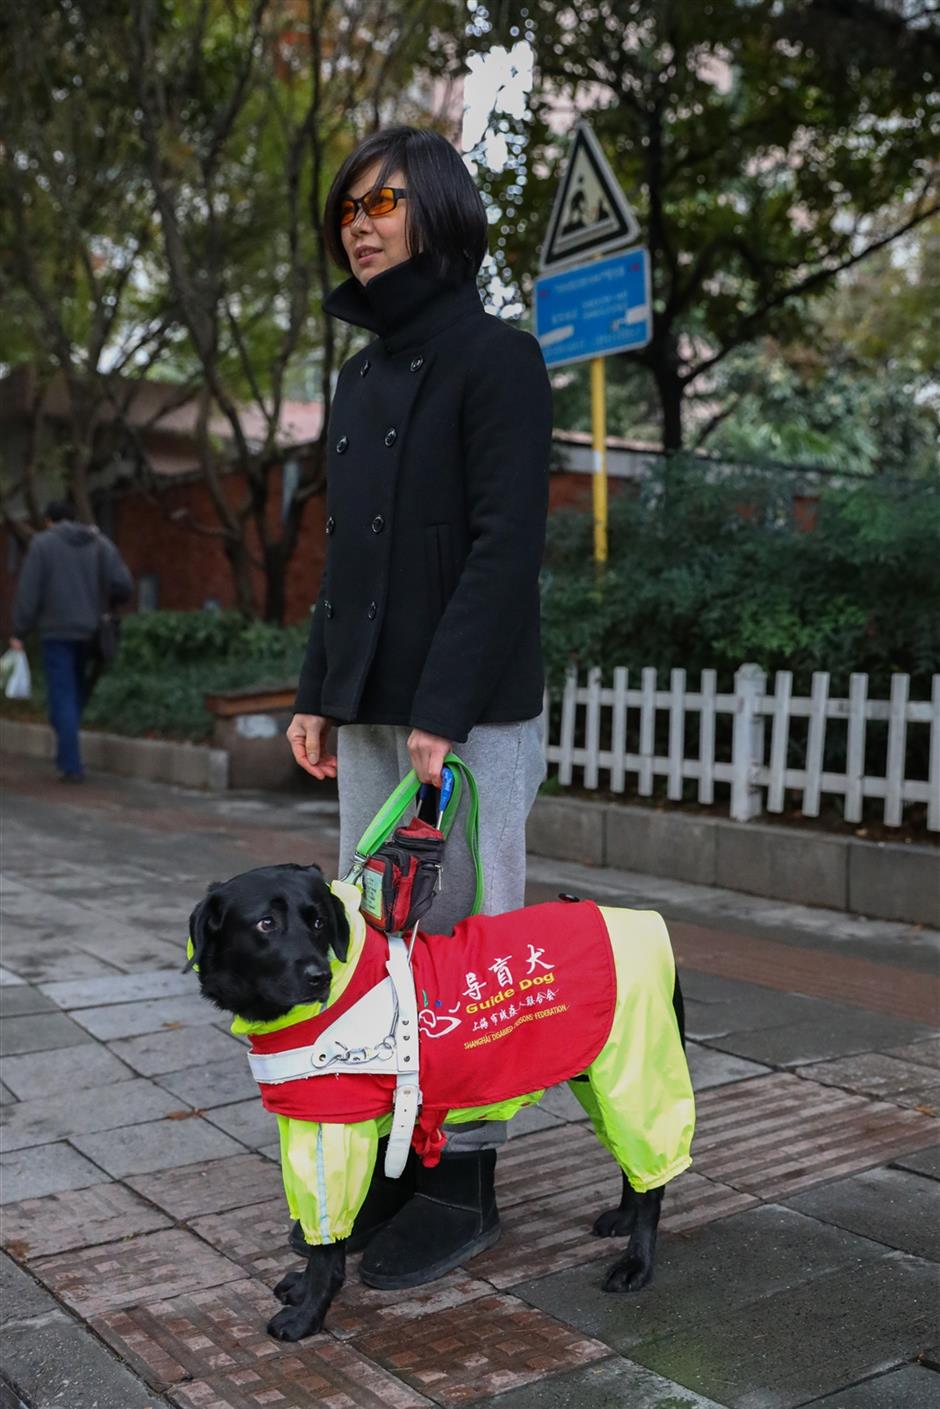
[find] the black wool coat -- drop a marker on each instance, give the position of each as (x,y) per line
(428,614)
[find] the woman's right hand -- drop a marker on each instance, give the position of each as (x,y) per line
(306,735)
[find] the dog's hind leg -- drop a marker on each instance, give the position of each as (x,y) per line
(613,1222)
(319,1282)
(678,1004)
(634,1270)
(618,1222)
(639,1093)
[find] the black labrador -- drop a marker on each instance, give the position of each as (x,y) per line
(261,946)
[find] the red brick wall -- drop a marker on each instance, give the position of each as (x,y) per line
(569,490)
(191,567)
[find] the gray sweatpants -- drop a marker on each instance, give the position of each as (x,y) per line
(509,765)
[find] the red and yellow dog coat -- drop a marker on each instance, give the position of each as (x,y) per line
(507,1006)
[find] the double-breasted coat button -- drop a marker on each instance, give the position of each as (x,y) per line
(373,611)
(330,524)
(328,607)
(364,369)
(417,363)
(391,435)
(342,445)
(378,523)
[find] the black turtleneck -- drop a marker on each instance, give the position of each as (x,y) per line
(439,443)
(405,304)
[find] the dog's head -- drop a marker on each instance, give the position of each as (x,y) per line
(262,941)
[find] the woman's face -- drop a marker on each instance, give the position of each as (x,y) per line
(377,242)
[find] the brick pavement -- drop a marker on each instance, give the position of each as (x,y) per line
(859,982)
(160,1238)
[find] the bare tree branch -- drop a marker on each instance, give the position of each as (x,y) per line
(812,281)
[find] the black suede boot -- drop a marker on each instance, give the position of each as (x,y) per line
(382,1201)
(452,1217)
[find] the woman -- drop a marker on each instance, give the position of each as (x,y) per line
(425,635)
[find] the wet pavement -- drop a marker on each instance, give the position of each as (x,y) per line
(143,1220)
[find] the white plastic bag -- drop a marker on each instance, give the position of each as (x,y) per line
(14,672)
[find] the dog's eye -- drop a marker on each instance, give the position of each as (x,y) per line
(265,924)
(318,923)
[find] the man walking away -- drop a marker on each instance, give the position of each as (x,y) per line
(71,574)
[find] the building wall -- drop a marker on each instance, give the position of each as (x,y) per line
(162,545)
(177,568)
(570,490)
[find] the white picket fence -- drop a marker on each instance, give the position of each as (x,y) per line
(758,779)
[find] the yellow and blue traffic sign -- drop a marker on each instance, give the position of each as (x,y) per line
(596,309)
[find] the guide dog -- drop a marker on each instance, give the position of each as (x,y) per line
(262,943)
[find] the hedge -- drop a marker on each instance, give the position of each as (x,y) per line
(169,661)
(713,574)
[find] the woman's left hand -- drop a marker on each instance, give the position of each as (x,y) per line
(428,752)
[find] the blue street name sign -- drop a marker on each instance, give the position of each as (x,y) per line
(596,309)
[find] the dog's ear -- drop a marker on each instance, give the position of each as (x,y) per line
(204,926)
(339,943)
(330,909)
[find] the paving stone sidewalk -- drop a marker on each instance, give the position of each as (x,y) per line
(143,1220)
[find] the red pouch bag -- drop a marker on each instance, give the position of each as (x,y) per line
(400,880)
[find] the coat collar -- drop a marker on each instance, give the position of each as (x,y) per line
(405,305)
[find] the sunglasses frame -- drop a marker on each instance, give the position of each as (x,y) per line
(398,193)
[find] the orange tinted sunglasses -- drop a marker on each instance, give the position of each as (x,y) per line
(381,201)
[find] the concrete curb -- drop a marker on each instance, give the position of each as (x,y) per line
(883,880)
(156,760)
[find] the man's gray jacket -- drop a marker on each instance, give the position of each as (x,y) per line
(58,589)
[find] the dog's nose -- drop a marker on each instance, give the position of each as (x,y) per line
(316,980)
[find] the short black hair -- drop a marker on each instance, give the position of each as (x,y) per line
(445,218)
(57,510)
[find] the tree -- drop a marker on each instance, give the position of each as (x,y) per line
(858,391)
(818,407)
(162,211)
(767,147)
(245,110)
(83,302)
(884,313)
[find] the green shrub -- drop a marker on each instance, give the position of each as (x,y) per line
(152,641)
(169,661)
(716,573)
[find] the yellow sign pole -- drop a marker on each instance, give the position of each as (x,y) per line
(599,435)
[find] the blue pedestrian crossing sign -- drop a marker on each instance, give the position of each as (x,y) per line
(596,309)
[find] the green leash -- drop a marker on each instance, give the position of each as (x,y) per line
(392,812)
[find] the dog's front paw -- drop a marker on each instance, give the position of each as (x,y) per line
(290,1288)
(614,1223)
(630,1274)
(294,1323)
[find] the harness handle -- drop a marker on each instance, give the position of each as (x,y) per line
(401,800)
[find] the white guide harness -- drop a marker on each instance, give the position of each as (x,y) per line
(379,1033)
